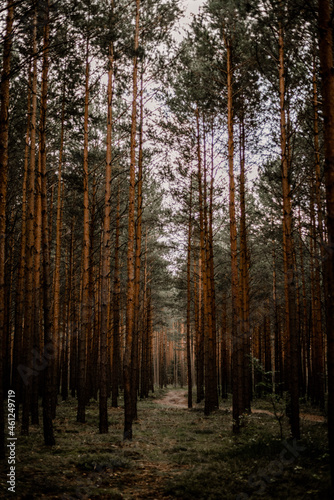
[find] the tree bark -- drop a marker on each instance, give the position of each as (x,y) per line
(237,372)
(327,75)
(106,247)
(56,279)
(116,362)
(85,308)
(244,278)
(135,343)
(49,348)
(127,365)
(190,384)
(19,297)
(289,275)
(4,129)
(30,249)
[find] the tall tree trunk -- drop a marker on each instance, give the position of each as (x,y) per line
(106,246)
(198,331)
(200,334)
(205,314)
(73,319)
(56,280)
(289,275)
(244,278)
(19,299)
(318,177)
(116,361)
(215,355)
(225,352)
(96,327)
(304,322)
(67,323)
(7,351)
(127,365)
(135,340)
(91,363)
(326,64)
(150,345)
(190,384)
(4,128)
(211,399)
(85,308)
(237,372)
(145,334)
(30,250)
(278,377)
(318,248)
(49,348)
(37,332)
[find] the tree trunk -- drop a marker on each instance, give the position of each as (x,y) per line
(326,63)
(85,308)
(56,280)
(73,319)
(203,281)
(30,251)
(244,278)
(49,348)
(67,323)
(37,331)
(212,381)
(135,340)
(237,348)
(19,298)
(4,128)
(289,275)
(105,278)
(200,335)
(116,362)
(190,384)
(318,248)
(304,322)
(145,329)
(127,364)
(278,376)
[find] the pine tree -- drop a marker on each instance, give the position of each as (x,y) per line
(326,61)
(4,127)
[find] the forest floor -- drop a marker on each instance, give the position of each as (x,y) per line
(175,453)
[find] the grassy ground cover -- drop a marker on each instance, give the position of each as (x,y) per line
(175,453)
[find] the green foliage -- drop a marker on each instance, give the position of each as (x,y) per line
(176,452)
(278,402)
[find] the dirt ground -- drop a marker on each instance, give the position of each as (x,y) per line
(178,399)
(175,399)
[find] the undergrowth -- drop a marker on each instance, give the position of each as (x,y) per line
(175,453)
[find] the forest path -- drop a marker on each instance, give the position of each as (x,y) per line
(175,453)
(303,416)
(178,399)
(310,417)
(174,398)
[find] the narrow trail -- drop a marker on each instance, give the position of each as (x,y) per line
(303,416)
(177,399)
(174,398)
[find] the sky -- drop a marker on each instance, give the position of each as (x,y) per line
(191,8)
